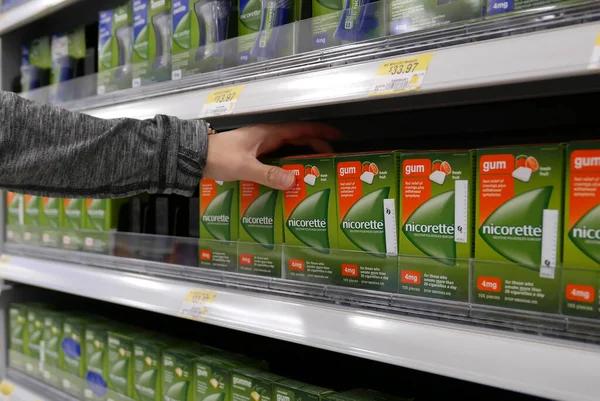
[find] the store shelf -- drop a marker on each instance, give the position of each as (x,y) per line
(28,12)
(519,362)
(28,389)
(545,55)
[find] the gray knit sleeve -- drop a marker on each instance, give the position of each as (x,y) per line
(45,150)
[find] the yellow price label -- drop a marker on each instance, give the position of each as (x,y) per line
(595,57)
(221,101)
(401,75)
(6,388)
(196,304)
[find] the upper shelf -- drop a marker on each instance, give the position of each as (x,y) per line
(554,42)
(29,11)
(524,363)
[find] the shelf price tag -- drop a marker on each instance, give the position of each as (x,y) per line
(595,58)
(401,75)
(221,101)
(196,304)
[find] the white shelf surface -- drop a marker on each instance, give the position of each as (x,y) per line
(28,12)
(547,54)
(26,388)
(554,369)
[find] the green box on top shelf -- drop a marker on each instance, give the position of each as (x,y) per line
(50,215)
(101,217)
(14,216)
(72,219)
(115,48)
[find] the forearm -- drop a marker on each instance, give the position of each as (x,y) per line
(45,150)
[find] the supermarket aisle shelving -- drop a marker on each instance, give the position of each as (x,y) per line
(29,11)
(511,361)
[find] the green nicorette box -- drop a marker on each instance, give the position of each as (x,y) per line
(53,325)
(35,64)
(581,258)
(261,229)
(120,362)
(72,354)
(14,217)
(101,217)
(147,372)
(35,339)
(213,375)
(178,371)
(253,384)
(413,15)
(96,361)
(50,213)
(437,220)
(115,48)
(367,203)
(72,219)
(151,41)
(310,220)
(519,215)
(295,390)
(219,224)
(364,395)
(31,220)
(17,314)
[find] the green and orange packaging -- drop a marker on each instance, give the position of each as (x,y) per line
(581,275)
(14,217)
(437,220)
(519,215)
(261,229)
(310,220)
(219,224)
(31,220)
(101,217)
(71,223)
(51,210)
(366,193)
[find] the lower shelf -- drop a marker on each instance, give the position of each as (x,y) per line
(510,360)
(26,388)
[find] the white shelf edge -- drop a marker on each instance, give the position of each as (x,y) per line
(28,12)
(511,361)
(30,389)
(547,54)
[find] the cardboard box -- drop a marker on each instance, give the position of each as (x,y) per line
(115,48)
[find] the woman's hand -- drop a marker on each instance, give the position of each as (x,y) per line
(233,155)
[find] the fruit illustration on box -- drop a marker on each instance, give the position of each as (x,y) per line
(369,171)
(524,167)
(311,173)
(440,170)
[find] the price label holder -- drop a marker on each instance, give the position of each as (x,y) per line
(595,58)
(401,75)
(221,101)
(196,304)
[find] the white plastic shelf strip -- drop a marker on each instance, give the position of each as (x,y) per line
(512,361)
(29,11)
(534,56)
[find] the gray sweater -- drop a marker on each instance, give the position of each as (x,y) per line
(45,150)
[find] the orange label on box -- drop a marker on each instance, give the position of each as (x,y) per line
(208,191)
(410,277)
(580,293)
(584,191)
(205,255)
(246,260)
(296,265)
(292,197)
(496,184)
(489,284)
(349,270)
(416,186)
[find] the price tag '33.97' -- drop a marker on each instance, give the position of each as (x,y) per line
(221,101)
(196,304)
(401,75)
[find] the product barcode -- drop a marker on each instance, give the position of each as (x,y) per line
(175,75)
(397,85)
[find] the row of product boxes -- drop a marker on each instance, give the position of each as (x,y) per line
(521,219)
(147,41)
(93,358)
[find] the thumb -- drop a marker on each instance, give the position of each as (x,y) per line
(271,176)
